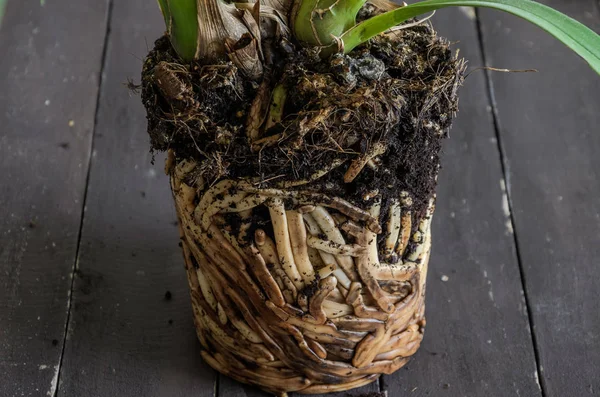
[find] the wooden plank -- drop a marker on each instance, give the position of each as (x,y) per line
(477,340)
(230,388)
(131,330)
(549,123)
(49,73)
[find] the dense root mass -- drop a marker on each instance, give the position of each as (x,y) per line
(352,124)
(305,202)
(294,295)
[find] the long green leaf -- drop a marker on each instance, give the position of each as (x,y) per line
(576,36)
(164,8)
(181,20)
(315,21)
(2,6)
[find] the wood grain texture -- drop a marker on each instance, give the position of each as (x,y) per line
(549,123)
(125,338)
(477,340)
(48,91)
(131,330)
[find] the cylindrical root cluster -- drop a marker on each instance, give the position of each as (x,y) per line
(295,291)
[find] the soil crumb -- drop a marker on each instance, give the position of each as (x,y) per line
(356,126)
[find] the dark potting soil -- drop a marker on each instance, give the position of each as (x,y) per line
(396,94)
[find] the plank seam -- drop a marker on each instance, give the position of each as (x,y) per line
(75,266)
(505,167)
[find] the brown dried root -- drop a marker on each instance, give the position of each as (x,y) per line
(358,164)
(258,111)
(188,195)
(320,389)
(231,239)
(343,279)
(248,309)
(328,260)
(238,345)
(201,214)
(402,272)
(317,348)
(335,248)
(262,274)
(245,226)
(315,258)
(310,198)
(404,344)
(316,302)
(322,172)
(311,121)
(336,296)
(355,213)
(297,232)
(274,384)
(335,309)
(170,162)
(405,224)
(268,251)
(203,282)
(422,234)
(222,256)
(355,299)
(369,261)
(351,228)
(357,324)
(231,314)
(392,229)
(215,238)
(282,239)
(247,203)
(265,142)
(305,209)
(241,299)
(329,228)
(368,348)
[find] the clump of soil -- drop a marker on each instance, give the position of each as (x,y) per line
(390,101)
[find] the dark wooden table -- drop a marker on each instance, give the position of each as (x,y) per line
(88,242)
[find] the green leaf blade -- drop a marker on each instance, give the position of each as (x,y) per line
(164,8)
(181,21)
(2,7)
(316,22)
(582,40)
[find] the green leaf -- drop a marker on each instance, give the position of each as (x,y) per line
(2,6)
(182,26)
(317,22)
(164,8)
(576,36)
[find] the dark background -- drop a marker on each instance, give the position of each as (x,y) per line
(88,245)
